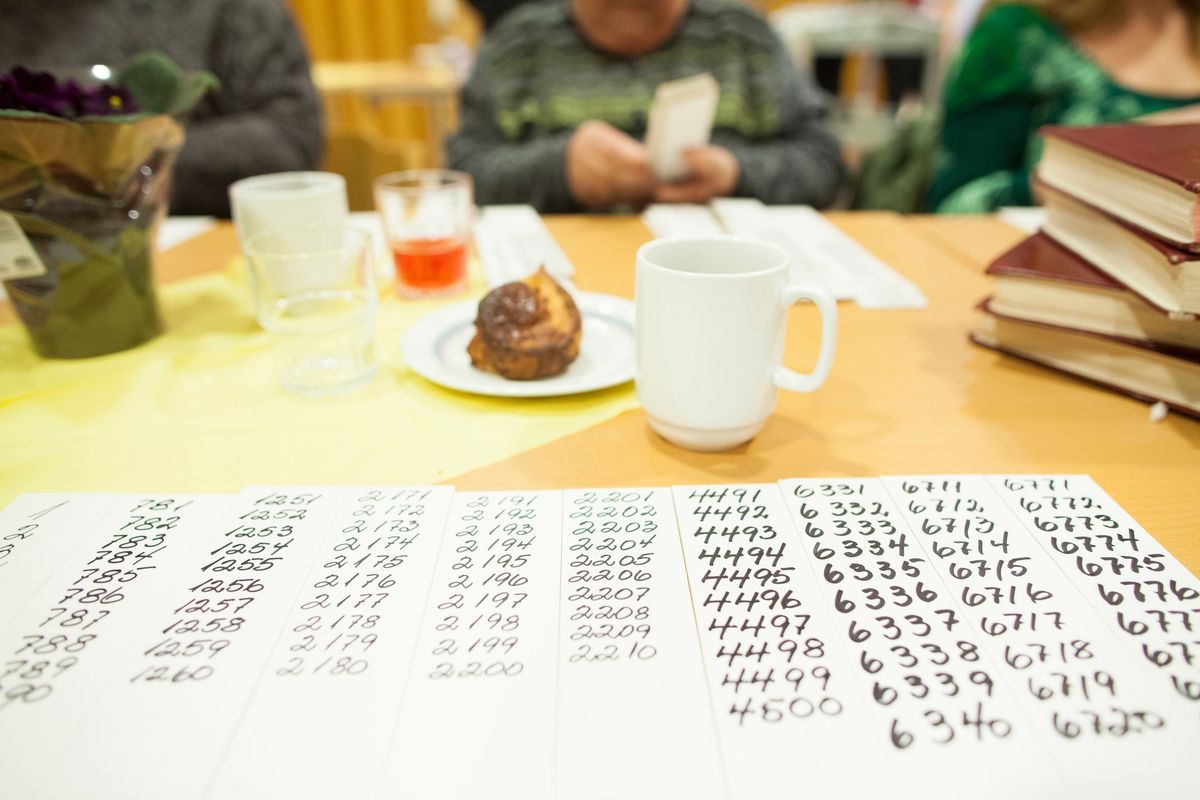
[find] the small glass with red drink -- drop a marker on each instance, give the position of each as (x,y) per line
(427,214)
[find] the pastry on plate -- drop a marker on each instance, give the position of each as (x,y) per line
(526,329)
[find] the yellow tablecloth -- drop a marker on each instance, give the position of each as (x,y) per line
(198,410)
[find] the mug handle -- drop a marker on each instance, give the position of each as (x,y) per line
(790,379)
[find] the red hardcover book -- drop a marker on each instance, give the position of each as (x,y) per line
(1040,280)
(1146,372)
(1166,276)
(1148,175)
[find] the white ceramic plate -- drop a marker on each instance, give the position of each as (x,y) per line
(436,349)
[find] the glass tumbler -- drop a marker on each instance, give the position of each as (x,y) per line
(314,292)
(427,216)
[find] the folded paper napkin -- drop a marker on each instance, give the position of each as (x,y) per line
(198,410)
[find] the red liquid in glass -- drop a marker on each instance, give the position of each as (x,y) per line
(430,265)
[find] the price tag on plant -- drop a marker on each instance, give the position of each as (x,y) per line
(18,259)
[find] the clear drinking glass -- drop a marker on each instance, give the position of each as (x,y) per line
(318,302)
(427,215)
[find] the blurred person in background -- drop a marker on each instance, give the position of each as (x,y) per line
(264,117)
(556,108)
(1070,62)
(490,11)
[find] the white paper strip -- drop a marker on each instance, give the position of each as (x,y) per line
(682,219)
(37,533)
(513,242)
(633,713)
(1049,645)
(821,254)
(478,714)
(346,647)
(937,694)
(782,688)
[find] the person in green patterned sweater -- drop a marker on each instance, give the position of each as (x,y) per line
(1069,62)
(555,110)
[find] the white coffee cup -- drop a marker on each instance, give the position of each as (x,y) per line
(306,210)
(711,313)
(289,201)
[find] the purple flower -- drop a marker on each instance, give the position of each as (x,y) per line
(104,100)
(27,90)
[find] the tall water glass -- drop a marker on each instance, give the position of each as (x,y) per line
(318,302)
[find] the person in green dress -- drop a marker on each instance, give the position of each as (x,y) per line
(1068,62)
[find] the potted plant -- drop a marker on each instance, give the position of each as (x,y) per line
(85,175)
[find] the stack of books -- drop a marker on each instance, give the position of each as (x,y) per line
(1109,289)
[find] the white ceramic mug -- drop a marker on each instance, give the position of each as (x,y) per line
(711,314)
(306,210)
(289,201)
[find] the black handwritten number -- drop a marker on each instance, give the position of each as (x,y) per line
(875,601)
(900,738)
(25,693)
(949,686)
(902,597)
(348,666)
(907,659)
(939,723)
(43,645)
(997,727)
(23,532)
(917,689)
(496,668)
(180,675)
(292,667)
(920,628)
(937,655)
(453,601)
(1189,690)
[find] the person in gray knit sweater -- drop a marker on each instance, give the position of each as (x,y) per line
(556,107)
(264,118)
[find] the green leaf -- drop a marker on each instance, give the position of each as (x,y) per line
(159,86)
(195,86)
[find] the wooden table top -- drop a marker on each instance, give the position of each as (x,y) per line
(908,393)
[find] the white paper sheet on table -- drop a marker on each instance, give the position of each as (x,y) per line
(175,231)
(1029,219)
(330,663)
(821,254)
(1017,635)
(98,619)
(37,533)
(512,242)
(605,680)
(494,620)
(681,219)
